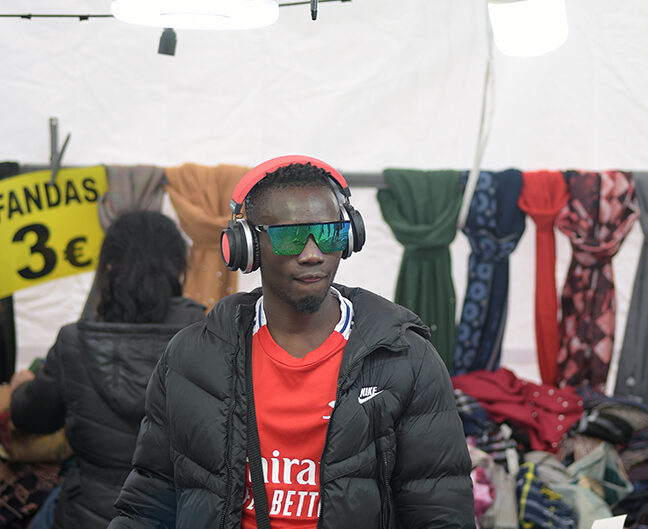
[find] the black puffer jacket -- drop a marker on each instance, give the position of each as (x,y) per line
(397,460)
(93,381)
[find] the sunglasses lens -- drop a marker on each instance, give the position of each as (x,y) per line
(332,236)
(288,240)
(291,239)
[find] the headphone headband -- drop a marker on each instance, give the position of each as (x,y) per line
(254,175)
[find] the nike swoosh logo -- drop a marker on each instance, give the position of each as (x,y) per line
(362,400)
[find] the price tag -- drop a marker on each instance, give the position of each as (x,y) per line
(616,522)
(49,230)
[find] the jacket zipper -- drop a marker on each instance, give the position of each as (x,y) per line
(386,515)
(342,383)
(321,471)
(228,448)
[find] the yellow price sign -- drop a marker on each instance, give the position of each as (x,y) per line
(49,230)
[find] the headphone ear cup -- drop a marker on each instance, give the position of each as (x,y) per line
(240,246)
(256,250)
(358,227)
(344,213)
(250,253)
(357,224)
(231,241)
(357,235)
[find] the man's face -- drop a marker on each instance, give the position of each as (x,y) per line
(302,281)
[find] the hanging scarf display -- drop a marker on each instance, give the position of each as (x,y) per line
(129,188)
(632,377)
(421,208)
(494,226)
(597,218)
(543,195)
(201,197)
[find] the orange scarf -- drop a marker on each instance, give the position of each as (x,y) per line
(201,196)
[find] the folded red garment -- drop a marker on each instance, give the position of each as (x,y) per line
(545,412)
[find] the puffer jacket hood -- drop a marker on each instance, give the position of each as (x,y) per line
(120,357)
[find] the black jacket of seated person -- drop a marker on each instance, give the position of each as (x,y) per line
(93,382)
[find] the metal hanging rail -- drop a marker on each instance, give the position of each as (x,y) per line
(354,179)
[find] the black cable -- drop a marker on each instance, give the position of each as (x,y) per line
(29,16)
(288,4)
(254,447)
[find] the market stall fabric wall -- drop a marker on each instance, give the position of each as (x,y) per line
(372,84)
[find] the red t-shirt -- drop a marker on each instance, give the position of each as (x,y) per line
(293,398)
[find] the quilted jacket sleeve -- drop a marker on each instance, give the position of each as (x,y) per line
(37,406)
(147,499)
(431,479)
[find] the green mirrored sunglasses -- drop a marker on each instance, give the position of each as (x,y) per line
(290,239)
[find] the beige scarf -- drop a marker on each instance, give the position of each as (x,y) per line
(201,196)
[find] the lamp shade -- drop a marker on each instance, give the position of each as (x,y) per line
(526,28)
(197,14)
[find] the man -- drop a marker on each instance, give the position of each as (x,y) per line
(355,411)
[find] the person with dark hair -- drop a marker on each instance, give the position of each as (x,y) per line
(302,404)
(139,279)
(94,377)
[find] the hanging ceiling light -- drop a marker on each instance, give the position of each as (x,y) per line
(526,28)
(168,41)
(197,14)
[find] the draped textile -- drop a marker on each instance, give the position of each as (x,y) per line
(540,507)
(7,324)
(494,226)
(201,196)
(130,188)
(545,413)
(632,377)
(585,483)
(597,218)
(421,208)
(23,489)
(543,195)
(8,169)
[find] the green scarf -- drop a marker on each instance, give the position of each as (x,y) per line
(421,208)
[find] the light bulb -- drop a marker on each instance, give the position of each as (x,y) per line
(526,28)
(197,14)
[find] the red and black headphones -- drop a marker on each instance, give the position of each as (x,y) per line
(239,241)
